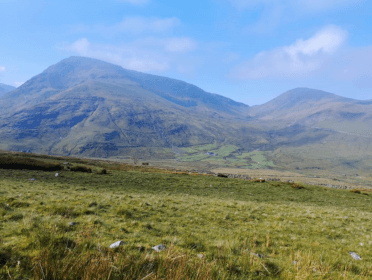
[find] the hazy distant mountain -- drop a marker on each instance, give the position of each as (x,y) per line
(316,108)
(5,88)
(76,71)
(294,99)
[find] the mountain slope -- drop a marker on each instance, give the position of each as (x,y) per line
(75,71)
(86,106)
(5,88)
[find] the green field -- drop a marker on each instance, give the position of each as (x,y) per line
(226,156)
(242,229)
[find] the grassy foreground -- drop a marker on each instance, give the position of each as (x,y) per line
(213,228)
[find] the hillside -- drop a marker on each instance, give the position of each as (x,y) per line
(90,107)
(5,88)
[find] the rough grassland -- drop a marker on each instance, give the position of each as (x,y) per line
(243,229)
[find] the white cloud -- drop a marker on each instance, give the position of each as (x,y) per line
(81,46)
(133,25)
(146,55)
(302,58)
(18,84)
(2,69)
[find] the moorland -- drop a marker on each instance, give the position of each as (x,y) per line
(61,226)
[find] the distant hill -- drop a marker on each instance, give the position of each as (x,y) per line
(316,108)
(5,88)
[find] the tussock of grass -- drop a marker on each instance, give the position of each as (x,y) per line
(80,168)
(8,162)
(212,227)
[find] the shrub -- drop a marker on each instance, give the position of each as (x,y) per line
(28,163)
(101,172)
(356,191)
(259,180)
(80,168)
(297,186)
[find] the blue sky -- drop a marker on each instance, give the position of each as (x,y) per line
(247,50)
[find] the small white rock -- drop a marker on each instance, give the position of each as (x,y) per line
(200,256)
(117,244)
(159,248)
(361,244)
(355,256)
(56,175)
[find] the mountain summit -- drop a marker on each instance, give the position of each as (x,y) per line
(77,71)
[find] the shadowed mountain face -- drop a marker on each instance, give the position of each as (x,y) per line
(5,88)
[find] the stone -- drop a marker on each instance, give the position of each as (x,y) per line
(117,244)
(355,256)
(200,256)
(258,255)
(159,248)
(71,224)
(32,179)
(56,175)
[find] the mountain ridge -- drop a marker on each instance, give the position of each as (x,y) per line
(86,107)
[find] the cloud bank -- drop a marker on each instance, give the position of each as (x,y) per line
(302,58)
(150,54)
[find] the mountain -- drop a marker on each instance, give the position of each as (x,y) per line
(316,108)
(5,88)
(76,71)
(90,107)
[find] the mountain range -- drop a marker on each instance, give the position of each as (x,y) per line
(87,107)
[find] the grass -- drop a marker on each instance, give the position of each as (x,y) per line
(212,227)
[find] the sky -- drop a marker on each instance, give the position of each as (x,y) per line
(248,50)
